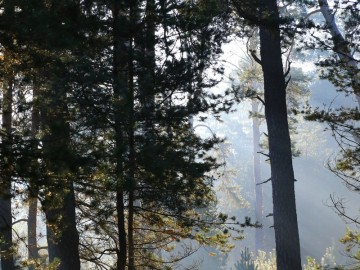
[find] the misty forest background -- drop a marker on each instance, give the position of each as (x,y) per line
(155,134)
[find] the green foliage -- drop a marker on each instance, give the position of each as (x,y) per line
(251,87)
(106,143)
(351,240)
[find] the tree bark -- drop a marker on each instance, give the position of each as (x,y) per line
(259,233)
(7,261)
(131,174)
(120,89)
(341,47)
(282,174)
(33,253)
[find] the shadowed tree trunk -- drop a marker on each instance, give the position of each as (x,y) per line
(33,253)
(282,173)
(259,233)
(59,202)
(7,261)
(130,127)
(120,90)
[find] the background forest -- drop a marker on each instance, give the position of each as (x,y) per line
(175,134)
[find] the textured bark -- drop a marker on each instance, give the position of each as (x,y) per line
(7,261)
(282,174)
(259,233)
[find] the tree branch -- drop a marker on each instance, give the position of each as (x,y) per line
(261,183)
(257,59)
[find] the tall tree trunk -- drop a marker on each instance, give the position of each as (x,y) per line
(259,233)
(120,90)
(131,174)
(7,261)
(58,159)
(131,143)
(282,173)
(59,202)
(341,47)
(33,253)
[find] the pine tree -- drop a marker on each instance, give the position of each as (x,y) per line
(282,174)
(7,166)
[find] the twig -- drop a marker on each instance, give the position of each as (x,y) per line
(264,182)
(287,82)
(288,70)
(257,60)
(20,220)
(261,100)
(266,155)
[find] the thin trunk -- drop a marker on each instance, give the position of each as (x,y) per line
(131,230)
(122,253)
(59,203)
(146,77)
(7,261)
(282,173)
(259,233)
(341,47)
(130,131)
(33,253)
(131,178)
(120,96)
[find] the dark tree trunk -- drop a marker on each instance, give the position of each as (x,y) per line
(131,141)
(282,174)
(259,233)
(131,174)
(7,261)
(63,238)
(58,159)
(33,253)
(120,89)
(59,202)
(122,253)
(131,231)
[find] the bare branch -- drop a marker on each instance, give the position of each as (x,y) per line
(288,69)
(20,220)
(261,100)
(253,54)
(266,155)
(287,82)
(263,182)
